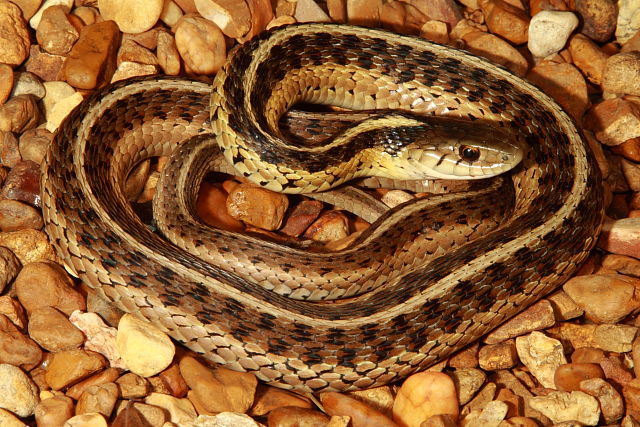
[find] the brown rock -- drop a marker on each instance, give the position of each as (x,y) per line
(615,295)
(588,57)
(505,20)
(55,33)
(233,17)
(132,17)
(92,60)
(44,284)
(564,307)
(493,357)
(379,398)
(98,398)
(19,113)
(257,206)
(564,83)
(615,370)
(44,65)
(201,44)
(180,411)
(108,375)
(173,380)
(481,399)
(168,55)
(131,51)
(53,331)
(145,349)
(23,183)
(598,18)
(630,149)
(28,245)
(28,7)
(446,11)
(337,404)
(621,236)
(631,394)
(127,70)
(70,366)
(538,316)
(467,381)
(563,406)
(467,358)
(16,348)
(542,355)
(54,411)
(15,215)
(423,395)
(365,13)
(497,50)
(6,82)
(435,31)
(291,416)
(212,208)
(261,15)
(234,391)
(615,338)
(587,355)
(34,144)
(515,403)
(611,402)
(569,375)
(139,414)
(133,386)
(14,35)
(301,217)
(330,226)
(402,17)
(11,308)
(269,398)
(622,74)
(87,14)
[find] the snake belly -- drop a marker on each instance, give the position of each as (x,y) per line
(427,313)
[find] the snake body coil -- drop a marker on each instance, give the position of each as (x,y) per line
(426,312)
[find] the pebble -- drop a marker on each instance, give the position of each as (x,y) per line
(16,215)
(628,20)
(43,284)
(14,35)
(561,406)
(86,420)
(234,391)
(379,398)
(201,44)
(132,386)
(26,83)
(55,33)
(9,152)
(622,74)
(309,11)
(598,19)
(62,109)
(23,183)
(614,121)
(70,366)
(19,113)
(92,60)
(168,55)
(564,308)
(491,416)
(588,57)
(55,92)
(45,65)
(28,245)
(173,381)
(7,419)
(568,377)
(16,348)
(301,217)
(493,357)
(130,51)
(435,31)
(98,398)
(542,355)
(330,226)
(133,413)
(605,298)
(549,31)
(269,398)
(52,330)
(18,393)
(99,337)
(611,403)
(364,13)
(467,381)
(497,50)
(105,376)
(423,395)
(145,349)
(564,83)
(290,416)
(6,82)
(621,236)
(171,13)
(127,70)
(130,15)
(34,144)
(233,17)
(615,338)
(181,411)
(538,316)
(505,20)
(258,207)
(467,358)
(362,415)
(34,21)
(11,308)
(54,411)
(9,268)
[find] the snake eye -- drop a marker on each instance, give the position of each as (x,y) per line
(470,154)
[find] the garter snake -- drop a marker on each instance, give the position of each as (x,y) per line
(425,313)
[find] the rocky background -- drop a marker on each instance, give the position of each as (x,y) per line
(67,358)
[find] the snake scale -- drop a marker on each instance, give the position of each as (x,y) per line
(427,311)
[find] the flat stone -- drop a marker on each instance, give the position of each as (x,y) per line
(70,366)
(145,349)
(131,16)
(53,330)
(18,393)
(201,44)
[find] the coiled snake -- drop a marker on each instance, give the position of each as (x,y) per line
(436,293)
